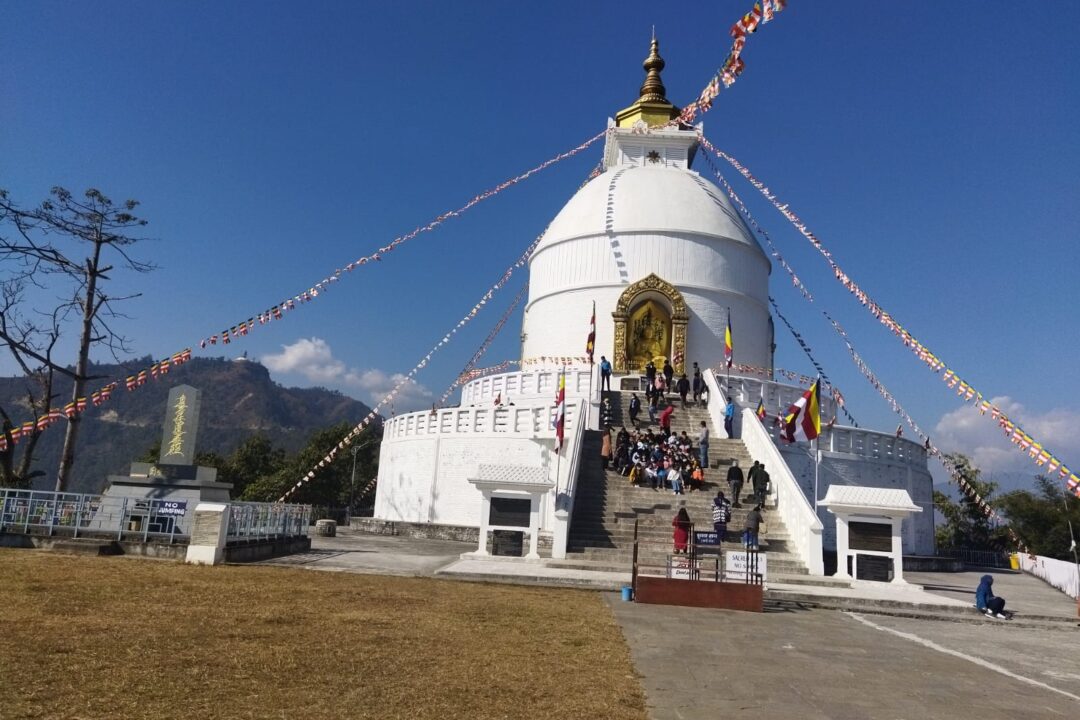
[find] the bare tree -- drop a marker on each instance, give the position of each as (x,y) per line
(45,247)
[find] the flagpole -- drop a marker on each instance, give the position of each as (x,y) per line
(588,405)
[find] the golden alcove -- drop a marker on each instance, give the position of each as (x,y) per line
(650,324)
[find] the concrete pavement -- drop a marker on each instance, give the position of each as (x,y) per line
(817,664)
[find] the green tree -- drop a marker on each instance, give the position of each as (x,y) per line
(966,524)
(332,483)
(254,459)
(1042,518)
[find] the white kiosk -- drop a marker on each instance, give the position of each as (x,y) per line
(511,502)
(869,545)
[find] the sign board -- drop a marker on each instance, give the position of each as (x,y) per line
(181,424)
(876,537)
(706,538)
(512,512)
(679,568)
(735,565)
(177,508)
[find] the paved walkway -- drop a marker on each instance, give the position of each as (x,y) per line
(1026,595)
(359,552)
(817,664)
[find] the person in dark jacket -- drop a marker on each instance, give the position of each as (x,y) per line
(761,485)
(754,518)
(683,388)
(987,602)
(669,373)
(735,481)
(721,513)
(650,372)
(635,408)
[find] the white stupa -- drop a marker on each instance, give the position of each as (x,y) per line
(668,261)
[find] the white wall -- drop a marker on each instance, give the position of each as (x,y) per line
(845,469)
(426,479)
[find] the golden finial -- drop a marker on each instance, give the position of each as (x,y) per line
(652,105)
(652,90)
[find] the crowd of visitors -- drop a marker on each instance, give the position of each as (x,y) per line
(659,459)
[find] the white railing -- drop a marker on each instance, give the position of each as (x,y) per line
(538,383)
(717,403)
(566,484)
(1065,576)
(869,444)
(778,397)
(520,420)
(794,509)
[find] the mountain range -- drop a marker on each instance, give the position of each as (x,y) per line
(238,400)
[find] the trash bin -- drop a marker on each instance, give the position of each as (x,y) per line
(326,528)
(627,593)
(1014,561)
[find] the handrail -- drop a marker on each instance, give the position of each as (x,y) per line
(564,498)
(798,516)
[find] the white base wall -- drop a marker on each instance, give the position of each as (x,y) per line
(426,479)
(844,469)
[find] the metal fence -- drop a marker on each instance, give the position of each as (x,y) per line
(77,515)
(38,512)
(977,558)
(260,521)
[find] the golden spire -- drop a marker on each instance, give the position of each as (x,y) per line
(652,105)
(652,90)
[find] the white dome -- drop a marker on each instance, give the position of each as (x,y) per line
(648,215)
(643,199)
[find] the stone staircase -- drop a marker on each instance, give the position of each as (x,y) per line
(606,505)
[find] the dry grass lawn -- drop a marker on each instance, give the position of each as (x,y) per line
(123,638)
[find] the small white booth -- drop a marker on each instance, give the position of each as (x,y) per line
(869,545)
(511,503)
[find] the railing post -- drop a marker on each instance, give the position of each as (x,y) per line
(123,517)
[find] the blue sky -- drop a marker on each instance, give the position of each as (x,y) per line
(931,146)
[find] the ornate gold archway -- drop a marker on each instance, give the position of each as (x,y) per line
(650,287)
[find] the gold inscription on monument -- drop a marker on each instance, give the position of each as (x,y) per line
(176,442)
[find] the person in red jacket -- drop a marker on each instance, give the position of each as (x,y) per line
(665,418)
(681,535)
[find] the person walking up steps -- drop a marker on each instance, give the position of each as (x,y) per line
(721,514)
(703,445)
(735,481)
(754,519)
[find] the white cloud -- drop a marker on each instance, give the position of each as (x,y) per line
(376,383)
(979,437)
(313,359)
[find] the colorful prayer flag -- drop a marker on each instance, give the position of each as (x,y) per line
(590,344)
(804,415)
(560,411)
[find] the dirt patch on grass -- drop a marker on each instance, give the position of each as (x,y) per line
(123,638)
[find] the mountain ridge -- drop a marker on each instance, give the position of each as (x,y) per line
(238,399)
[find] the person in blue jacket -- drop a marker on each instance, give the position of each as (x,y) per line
(986,601)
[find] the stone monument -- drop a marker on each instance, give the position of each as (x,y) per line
(174,477)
